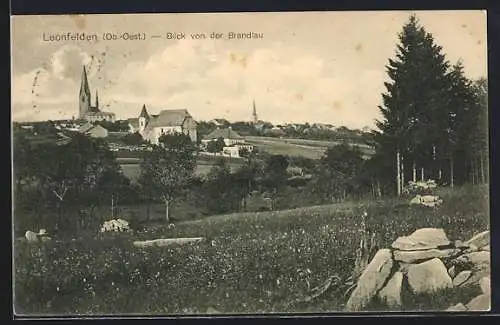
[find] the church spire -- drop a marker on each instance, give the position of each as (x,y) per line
(254,113)
(144,112)
(84,87)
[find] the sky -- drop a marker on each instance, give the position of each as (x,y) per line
(316,67)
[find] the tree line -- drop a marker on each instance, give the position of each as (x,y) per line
(434,119)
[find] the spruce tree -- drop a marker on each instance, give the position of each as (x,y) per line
(415,105)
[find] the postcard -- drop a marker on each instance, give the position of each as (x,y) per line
(250,163)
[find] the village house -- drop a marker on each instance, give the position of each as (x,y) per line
(233,142)
(94,131)
(151,127)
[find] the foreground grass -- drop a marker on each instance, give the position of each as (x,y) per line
(250,262)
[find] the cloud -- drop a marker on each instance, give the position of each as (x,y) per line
(288,84)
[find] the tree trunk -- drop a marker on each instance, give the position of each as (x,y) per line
(473,171)
(451,172)
(398,172)
(167,212)
(402,173)
(147,210)
(482,167)
(414,169)
(422,174)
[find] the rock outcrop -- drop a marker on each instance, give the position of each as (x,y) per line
(426,262)
(166,242)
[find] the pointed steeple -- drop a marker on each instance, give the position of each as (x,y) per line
(144,112)
(254,112)
(96,100)
(84,87)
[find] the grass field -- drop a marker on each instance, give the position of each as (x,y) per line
(312,149)
(249,263)
(132,169)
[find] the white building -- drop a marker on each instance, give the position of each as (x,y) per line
(151,127)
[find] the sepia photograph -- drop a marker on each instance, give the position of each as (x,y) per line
(204,164)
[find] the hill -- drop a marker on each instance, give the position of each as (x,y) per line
(249,262)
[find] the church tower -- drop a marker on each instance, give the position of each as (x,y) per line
(143,119)
(254,114)
(84,95)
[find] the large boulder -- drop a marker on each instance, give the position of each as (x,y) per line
(391,293)
(422,255)
(31,236)
(480,240)
(485,284)
(474,259)
(480,303)
(371,280)
(461,277)
(428,277)
(422,239)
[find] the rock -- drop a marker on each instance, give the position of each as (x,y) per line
(461,245)
(211,310)
(45,239)
(480,303)
(422,239)
(166,242)
(477,275)
(391,293)
(371,280)
(480,240)
(31,236)
(485,284)
(461,278)
(475,259)
(421,255)
(452,271)
(458,307)
(428,277)
(485,248)
(472,248)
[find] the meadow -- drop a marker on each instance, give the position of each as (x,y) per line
(311,149)
(249,263)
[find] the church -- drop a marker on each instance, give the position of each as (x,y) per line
(87,111)
(151,127)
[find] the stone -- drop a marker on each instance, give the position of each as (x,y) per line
(485,284)
(480,240)
(31,236)
(458,307)
(475,259)
(211,310)
(421,255)
(371,280)
(391,293)
(461,245)
(428,277)
(472,248)
(485,248)
(480,303)
(422,239)
(166,242)
(477,275)
(452,271)
(461,278)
